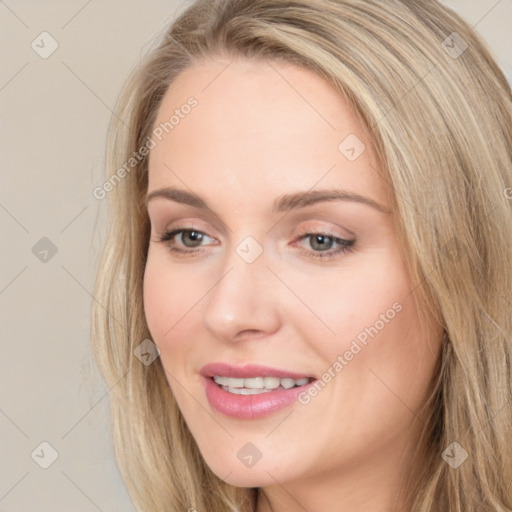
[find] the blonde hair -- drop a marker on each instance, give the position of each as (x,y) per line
(439,112)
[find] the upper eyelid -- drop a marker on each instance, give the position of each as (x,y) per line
(196,225)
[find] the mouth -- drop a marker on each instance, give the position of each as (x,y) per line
(252,391)
(258,385)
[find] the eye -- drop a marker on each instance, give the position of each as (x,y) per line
(322,244)
(191,240)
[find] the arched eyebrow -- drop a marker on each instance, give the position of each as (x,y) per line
(281,204)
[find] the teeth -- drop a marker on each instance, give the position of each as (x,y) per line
(222,381)
(253,383)
(271,382)
(245,391)
(235,383)
(256,385)
(287,383)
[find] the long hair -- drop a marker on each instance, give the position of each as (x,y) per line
(439,112)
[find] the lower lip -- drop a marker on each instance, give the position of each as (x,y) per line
(250,406)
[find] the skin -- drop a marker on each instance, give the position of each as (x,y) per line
(261,130)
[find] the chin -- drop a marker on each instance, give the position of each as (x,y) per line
(236,474)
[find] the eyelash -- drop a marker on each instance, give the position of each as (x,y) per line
(346,246)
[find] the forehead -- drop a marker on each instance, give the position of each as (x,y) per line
(261,126)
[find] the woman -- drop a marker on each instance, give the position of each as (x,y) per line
(304,301)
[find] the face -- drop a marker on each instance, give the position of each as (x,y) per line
(280,267)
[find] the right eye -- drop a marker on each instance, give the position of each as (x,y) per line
(190,239)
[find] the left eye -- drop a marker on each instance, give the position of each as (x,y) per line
(322,243)
(319,241)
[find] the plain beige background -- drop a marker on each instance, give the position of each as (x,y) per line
(55,112)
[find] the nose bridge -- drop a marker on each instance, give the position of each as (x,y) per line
(241,298)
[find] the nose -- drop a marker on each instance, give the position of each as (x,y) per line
(243,302)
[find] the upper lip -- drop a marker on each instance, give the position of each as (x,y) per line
(248,370)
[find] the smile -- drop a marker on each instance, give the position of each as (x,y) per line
(252,391)
(257,385)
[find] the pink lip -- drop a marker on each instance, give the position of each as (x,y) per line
(249,406)
(248,370)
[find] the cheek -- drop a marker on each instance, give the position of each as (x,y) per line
(360,302)
(382,354)
(169,301)
(169,309)
(375,337)
(158,300)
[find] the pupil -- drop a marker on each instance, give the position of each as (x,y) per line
(194,236)
(318,240)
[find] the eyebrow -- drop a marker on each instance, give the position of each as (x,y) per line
(283,203)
